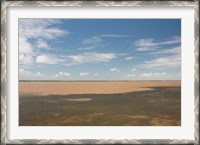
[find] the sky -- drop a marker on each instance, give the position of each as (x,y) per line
(99,49)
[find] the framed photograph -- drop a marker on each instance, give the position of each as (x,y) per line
(96,72)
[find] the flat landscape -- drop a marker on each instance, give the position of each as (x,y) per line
(134,103)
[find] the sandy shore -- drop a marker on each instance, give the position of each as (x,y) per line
(66,88)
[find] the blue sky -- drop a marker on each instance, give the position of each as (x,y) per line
(99,49)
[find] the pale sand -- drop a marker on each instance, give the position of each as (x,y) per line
(79,100)
(66,88)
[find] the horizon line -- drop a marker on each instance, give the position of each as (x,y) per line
(90,80)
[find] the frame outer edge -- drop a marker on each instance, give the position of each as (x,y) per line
(100,3)
(196,75)
(3,72)
(4,4)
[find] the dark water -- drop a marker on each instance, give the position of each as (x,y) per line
(159,107)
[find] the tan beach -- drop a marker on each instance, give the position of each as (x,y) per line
(66,88)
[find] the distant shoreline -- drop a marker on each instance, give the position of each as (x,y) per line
(98,80)
(65,88)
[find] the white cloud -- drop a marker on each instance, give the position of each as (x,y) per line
(97,39)
(84,74)
(133,69)
(92,41)
(96,74)
(129,58)
(40,28)
(147,48)
(152,45)
(38,31)
(28,75)
(114,36)
(24,46)
(64,74)
(131,75)
(172,60)
(61,75)
(48,59)
(151,42)
(25,59)
(23,71)
(114,70)
(92,57)
(176,50)
(145,42)
(167,61)
(38,73)
(87,47)
(55,76)
(40,43)
(152,74)
(159,76)
(172,40)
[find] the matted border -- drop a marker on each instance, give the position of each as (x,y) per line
(4,4)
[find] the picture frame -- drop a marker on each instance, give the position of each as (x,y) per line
(94,4)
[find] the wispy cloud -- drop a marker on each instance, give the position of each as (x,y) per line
(95,41)
(40,43)
(24,46)
(114,70)
(87,47)
(34,33)
(71,60)
(173,58)
(96,74)
(152,45)
(92,41)
(131,75)
(45,59)
(84,74)
(129,58)
(176,50)
(61,74)
(40,28)
(27,75)
(163,62)
(92,57)
(64,74)
(152,74)
(115,36)
(133,69)
(158,76)
(25,59)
